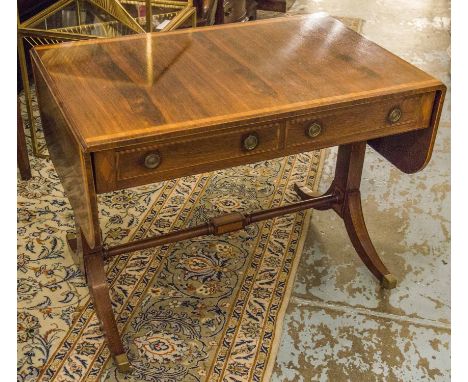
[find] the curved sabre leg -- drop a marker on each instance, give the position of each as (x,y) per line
(347,181)
(91,263)
(345,187)
(357,232)
(99,290)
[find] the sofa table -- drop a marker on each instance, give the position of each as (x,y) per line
(140,109)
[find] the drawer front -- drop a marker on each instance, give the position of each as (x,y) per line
(173,158)
(183,156)
(365,121)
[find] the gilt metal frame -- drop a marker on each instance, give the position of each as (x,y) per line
(179,11)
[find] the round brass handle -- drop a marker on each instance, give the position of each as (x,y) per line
(250,142)
(152,160)
(394,115)
(314,130)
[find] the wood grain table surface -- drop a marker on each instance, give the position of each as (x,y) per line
(157,84)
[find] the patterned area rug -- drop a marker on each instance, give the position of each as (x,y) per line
(199,310)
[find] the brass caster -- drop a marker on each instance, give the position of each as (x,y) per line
(71,241)
(389,281)
(122,363)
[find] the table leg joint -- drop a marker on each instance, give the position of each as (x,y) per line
(220,225)
(346,186)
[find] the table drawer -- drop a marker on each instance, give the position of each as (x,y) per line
(171,159)
(369,120)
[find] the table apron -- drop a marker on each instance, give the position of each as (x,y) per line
(125,167)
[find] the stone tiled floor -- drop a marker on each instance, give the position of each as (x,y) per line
(340,326)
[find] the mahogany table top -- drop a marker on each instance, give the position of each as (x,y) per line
(120,91)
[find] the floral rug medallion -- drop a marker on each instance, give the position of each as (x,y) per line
(207,309)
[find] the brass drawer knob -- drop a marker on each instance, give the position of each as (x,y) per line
(394,115)
(152,160)
(314,130)
(250,142)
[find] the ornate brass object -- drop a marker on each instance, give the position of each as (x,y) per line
(152,160)
(314,130)
(394,115)
(162,15)
(389,281)
(234,11)
(121,360)
(250,142)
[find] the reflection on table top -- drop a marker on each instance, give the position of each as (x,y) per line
(147,84)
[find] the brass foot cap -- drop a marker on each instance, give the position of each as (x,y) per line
(71,236)
(389,281)
(71,242)
(122,363)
